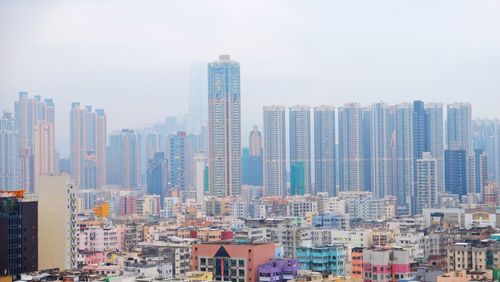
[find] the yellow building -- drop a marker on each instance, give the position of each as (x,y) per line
(199,276)
(56,223)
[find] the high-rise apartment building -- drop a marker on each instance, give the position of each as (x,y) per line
(36,135)
(123,158)
(456,171)
(19,235)
(178,163)
(435,121)
(426,184)
(354,148)
(8,152)
(403,148)
(157,181)
(300,150)
(485,140)
(88,135)
(382,134)
(200,166)
(324,150)
(224,127)
(459,127)
(56,223)
(275,183)
(480,170)
(44,158)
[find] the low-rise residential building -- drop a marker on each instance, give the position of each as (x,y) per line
(278,270)
(232,261)
(386,264)
(326,260)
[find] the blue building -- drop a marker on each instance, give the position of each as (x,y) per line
(455,164)
(252,168)
(326,259)
(157,176)
(331,220)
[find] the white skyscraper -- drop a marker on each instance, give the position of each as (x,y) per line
(300,150)
(382,144)
(354,141)
(324,150)
(427,190)
(274,151)
(459,127)
(200,164)
(436,139)
(403,153)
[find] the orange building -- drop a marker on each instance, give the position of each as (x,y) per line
(231,261)
(357,262)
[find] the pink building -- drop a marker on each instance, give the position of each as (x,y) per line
(88,258)
(96,238)
(386,264)
(128,205)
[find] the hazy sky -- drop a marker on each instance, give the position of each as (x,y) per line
(132,57)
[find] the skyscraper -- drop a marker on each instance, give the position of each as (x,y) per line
(8,152)
(354,148)
(456,171)
(123,158)
(178,163)
(252,168)
(45,158)
(274,151)
(403,146)
(435,121)
(459,127)
(200,165)
(157,181)
(88,146)
(300,147)
(426,195)
(381,132)
(324,150)
(480,170)
(420,130)
(484,139)
(36,131)
(224,127)
(255,142)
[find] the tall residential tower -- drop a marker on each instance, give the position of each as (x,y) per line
(274,151)
(324,150)
(224,127)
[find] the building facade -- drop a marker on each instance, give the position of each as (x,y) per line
(275,178)
(224,127)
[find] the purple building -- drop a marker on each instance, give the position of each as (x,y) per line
(278,270)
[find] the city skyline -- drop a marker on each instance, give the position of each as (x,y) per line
(263,141)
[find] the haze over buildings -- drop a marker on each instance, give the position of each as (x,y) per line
(319,143)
